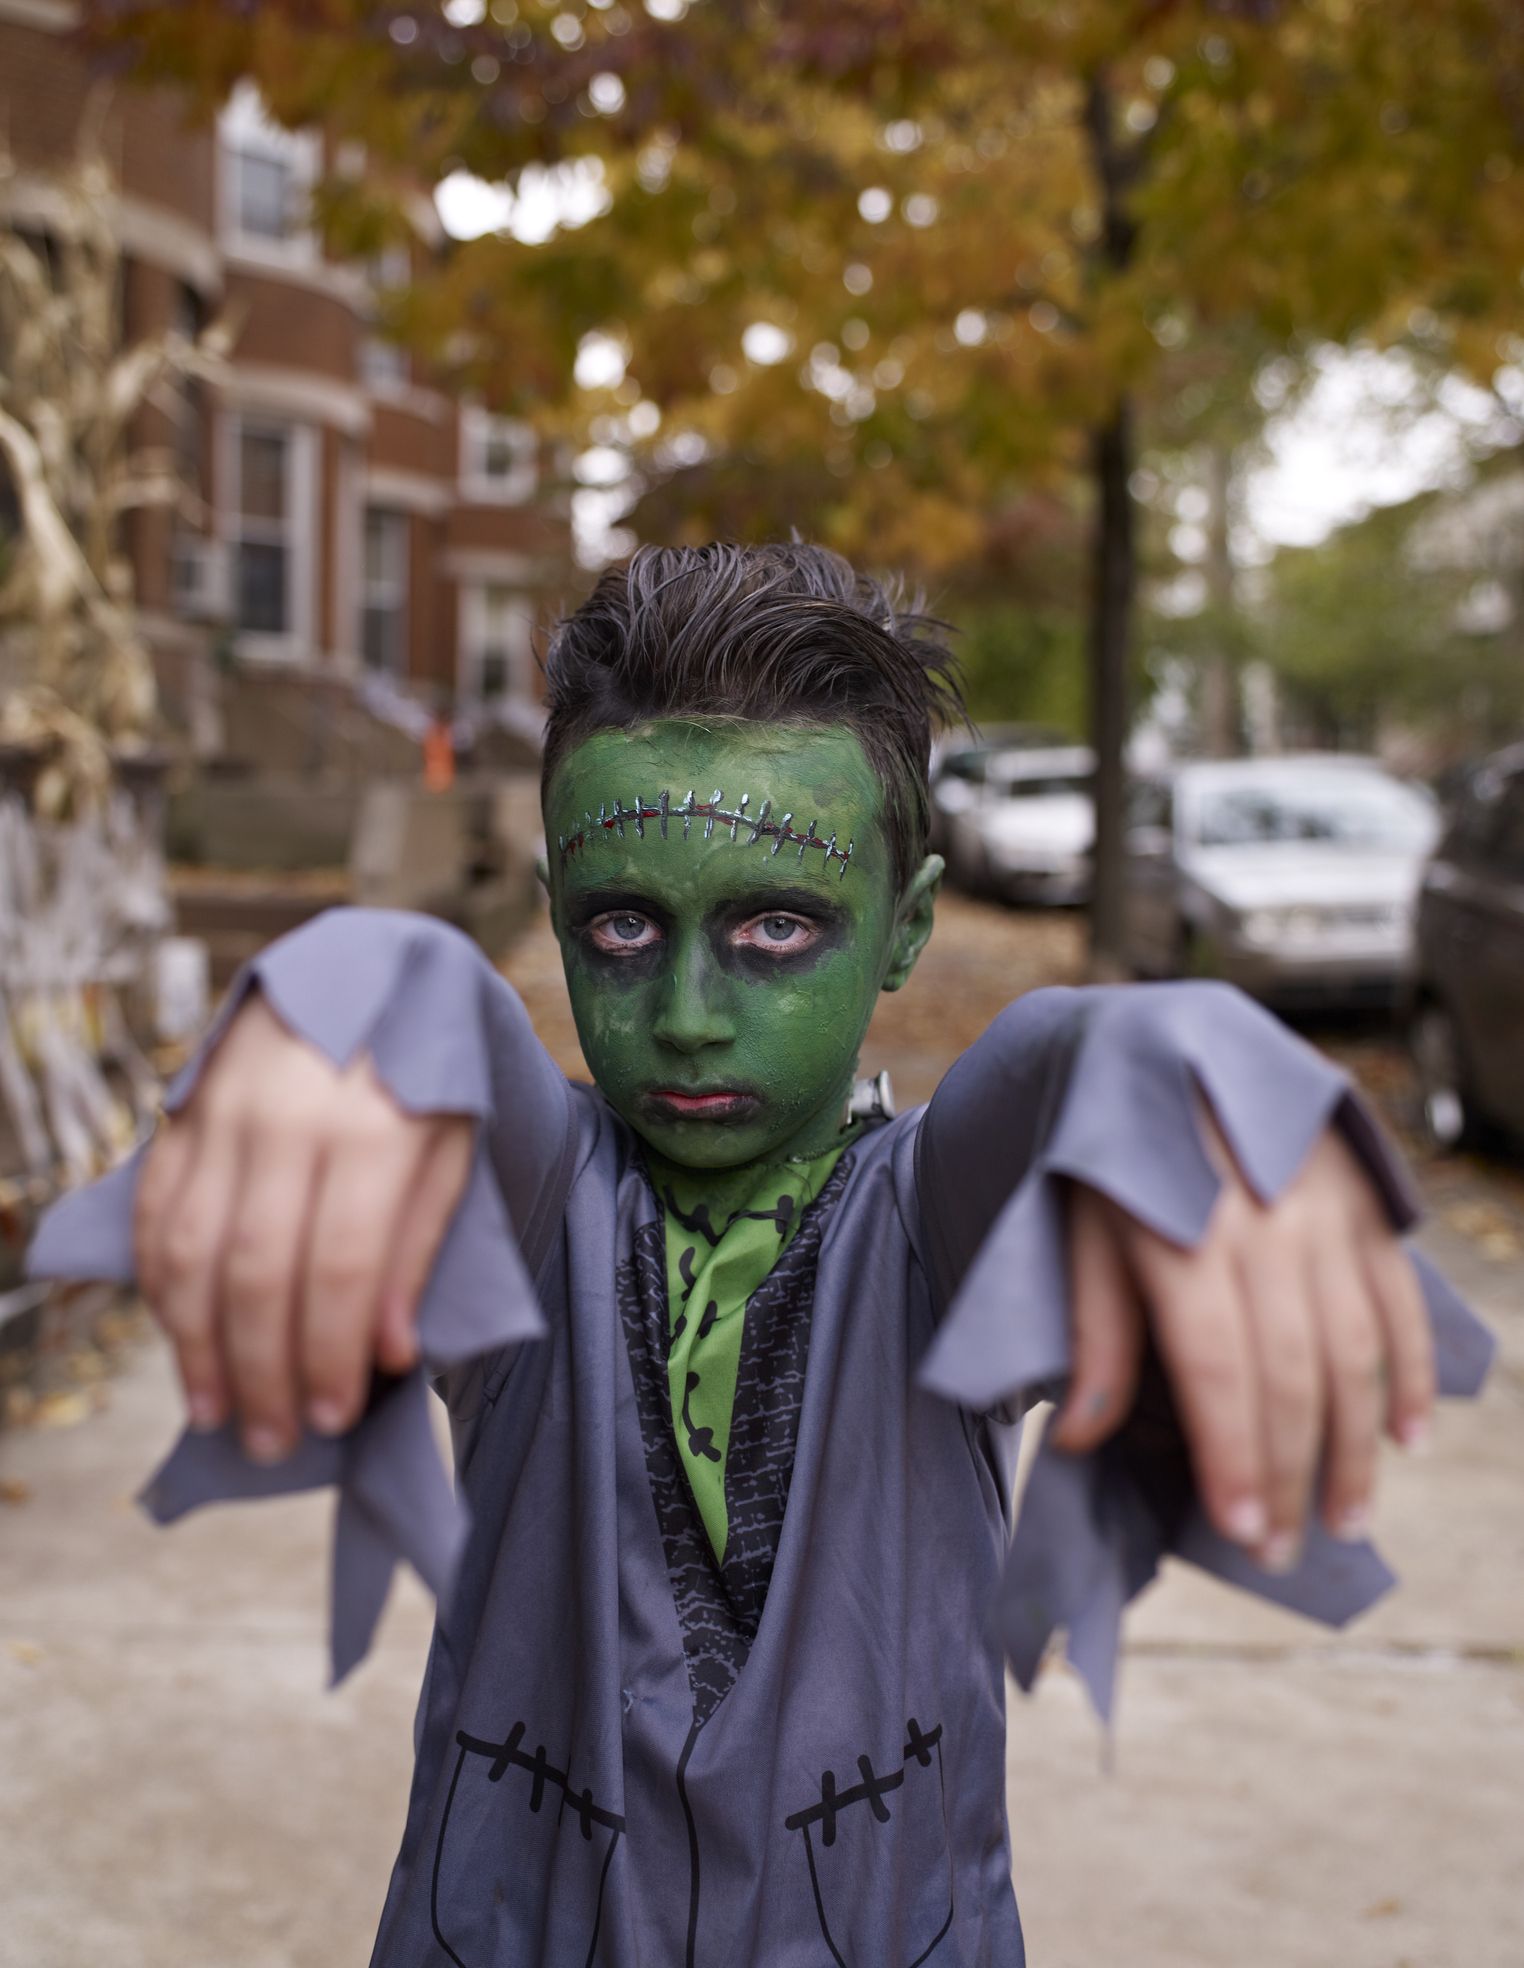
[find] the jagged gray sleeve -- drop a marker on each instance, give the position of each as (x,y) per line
(1101,1086)
(447,1035)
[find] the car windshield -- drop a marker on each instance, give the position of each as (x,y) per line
(965,765)
(1354,810)
(1044,787)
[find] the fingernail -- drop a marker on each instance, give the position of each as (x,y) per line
(1247,1522)
(1354,1525)
(204,1412)
(264,1445)
(1279,1553)
(1415,1436)
(327,1417)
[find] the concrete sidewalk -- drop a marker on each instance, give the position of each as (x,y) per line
(1286,1798)
(178,1791)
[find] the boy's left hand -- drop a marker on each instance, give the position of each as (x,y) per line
(1289,1336)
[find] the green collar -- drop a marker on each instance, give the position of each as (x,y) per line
(718,1254)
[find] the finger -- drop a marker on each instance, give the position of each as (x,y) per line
(160,1181)
(1408,1337)
(185,1259)
(1201,1324)
(1352,1352)
(1107,1328)
(364,1189)
(256,1289)
(430,1205)
(1283,1328)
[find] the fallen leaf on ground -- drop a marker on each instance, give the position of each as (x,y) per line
(26,1651)
(61,1410)
(13,1490)
(1487,1225)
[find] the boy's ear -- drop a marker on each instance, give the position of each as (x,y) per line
(913,920)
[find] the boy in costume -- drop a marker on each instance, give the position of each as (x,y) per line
(734,1361)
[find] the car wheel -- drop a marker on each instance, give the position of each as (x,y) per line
(1445,1106)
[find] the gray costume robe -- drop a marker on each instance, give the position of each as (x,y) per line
(628,1754)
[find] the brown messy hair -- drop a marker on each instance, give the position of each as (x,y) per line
(779,634)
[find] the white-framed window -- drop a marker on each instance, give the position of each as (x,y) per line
(385,590)
(499,458)
(271,486)
(267,179)
(496,644)
(384,364)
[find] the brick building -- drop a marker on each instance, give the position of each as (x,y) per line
(356,520)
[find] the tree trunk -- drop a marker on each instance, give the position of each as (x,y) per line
(1114,574)
(1114,571)
(1219,680)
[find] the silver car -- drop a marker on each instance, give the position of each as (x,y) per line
(959,766)
(1028,835)
(1295,878)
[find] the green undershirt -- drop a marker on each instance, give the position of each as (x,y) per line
(713,1268)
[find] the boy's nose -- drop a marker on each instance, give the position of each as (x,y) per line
(693,1013)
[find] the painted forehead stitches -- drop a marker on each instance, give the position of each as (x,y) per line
(612,821)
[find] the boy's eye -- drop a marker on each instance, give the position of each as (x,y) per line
(777,935)
(621,932)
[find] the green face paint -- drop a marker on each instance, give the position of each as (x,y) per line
(721,989)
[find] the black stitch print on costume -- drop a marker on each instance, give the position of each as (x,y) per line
(706,1324)
(700,1440)
(685,1270)
(713,1644)
(781,1214)
(872,1791)
(701,1223)
(719,1608)
(592,1820)
(764,1418)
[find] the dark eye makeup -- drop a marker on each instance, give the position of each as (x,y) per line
(770,925)
(623,934)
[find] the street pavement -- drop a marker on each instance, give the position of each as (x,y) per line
(178,1790)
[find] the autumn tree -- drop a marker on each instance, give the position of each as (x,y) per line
(911,261)
(1408,617)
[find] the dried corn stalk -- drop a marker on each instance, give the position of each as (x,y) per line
(82,894)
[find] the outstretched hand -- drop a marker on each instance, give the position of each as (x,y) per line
(286,1223)
(1289,1337)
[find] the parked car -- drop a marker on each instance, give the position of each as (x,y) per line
(1295,878)
(958,768)
(1466,1009)
(1027,835)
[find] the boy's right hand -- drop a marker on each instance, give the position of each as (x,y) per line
(287,1219)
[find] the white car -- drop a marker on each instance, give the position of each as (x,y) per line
(1296,878)
(1027,835)
(959,763)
